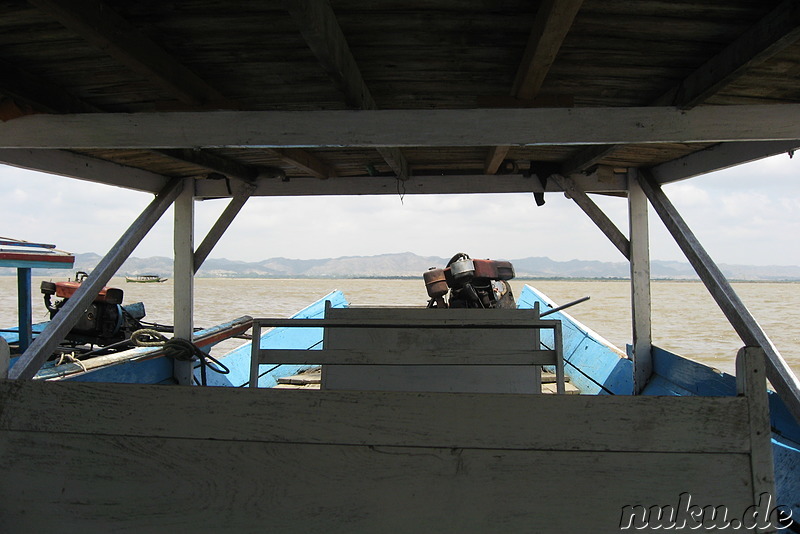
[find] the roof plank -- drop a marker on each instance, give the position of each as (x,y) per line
(318,25)
(98,24)
(779,29)
(553,21)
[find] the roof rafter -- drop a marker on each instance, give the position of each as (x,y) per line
(100,25)
(553,21)
(43,96)
(304,161)
(319,27)
(777,30)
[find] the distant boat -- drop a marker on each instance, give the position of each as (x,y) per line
(145,279)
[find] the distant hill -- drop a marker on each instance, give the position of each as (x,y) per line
(407,264)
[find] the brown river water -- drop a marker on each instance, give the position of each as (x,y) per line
(685,318)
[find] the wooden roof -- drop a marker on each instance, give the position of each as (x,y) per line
(170,57)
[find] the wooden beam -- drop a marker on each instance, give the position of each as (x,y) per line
(44,96)
(44,345)
(720,157)
(423,184)
(183,275)
(392,128)
(752,385)
(495,158)
(553,21)
(770,35)
(773,33)
(779,374)
(225,219)
(585,157)
(303,160)
(69,164)
(594,212)
(101,26)
(229,167)
(640,284)
(317,22)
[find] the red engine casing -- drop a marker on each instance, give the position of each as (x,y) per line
(111,295)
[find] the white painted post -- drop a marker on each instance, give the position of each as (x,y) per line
(183,296)
(640,283)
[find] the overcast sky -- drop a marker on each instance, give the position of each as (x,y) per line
(746,215)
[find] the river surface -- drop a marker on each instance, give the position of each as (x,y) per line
(685,318)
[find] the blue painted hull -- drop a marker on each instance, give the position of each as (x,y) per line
(596,367)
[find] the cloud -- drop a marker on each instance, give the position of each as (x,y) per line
(742,215)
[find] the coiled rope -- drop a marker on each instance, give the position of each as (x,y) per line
(179,349)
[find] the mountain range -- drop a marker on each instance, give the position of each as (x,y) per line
(407,265)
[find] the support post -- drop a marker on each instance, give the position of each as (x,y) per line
(779,374)
(183,276)
(225,219)
(640,284)
(44,345)
(751,383)
(24,310)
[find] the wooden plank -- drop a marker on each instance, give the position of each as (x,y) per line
(427,184)
(752,383)
(566,423)
(63,163)
(781,377)
(397,128)
(495,158)
(42,347)
(317,22)
(585,158)
(104,28)
(303,160)
(594,212)
(779,29)
(183,286)
(422,356)
(106,483)
(640,284)
(226,166)
(718,157)
(496,336)
(553,21)
(225,219)
(465,318)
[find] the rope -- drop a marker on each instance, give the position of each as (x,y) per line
(179,349)
(69,358)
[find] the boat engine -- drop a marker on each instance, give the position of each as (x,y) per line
(104,321)
(470,283)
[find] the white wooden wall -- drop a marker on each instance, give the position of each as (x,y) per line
(128,458)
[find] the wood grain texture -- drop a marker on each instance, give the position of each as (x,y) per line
(414,356)
(543,422)
(107,483)
(393,128)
